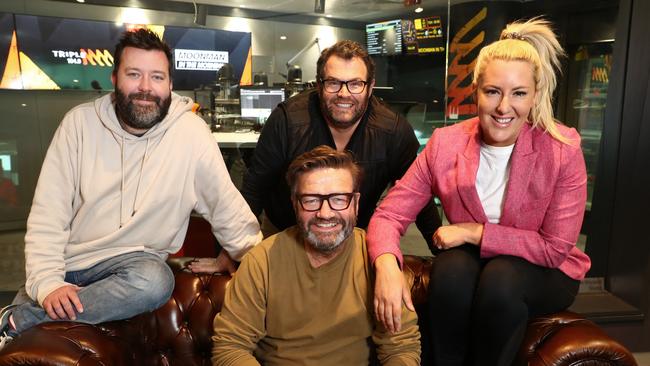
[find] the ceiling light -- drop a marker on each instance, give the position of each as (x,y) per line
(242,6)
(328,15)
(75,80)
(419,9)
(81,1)
(23,105)
(283,37)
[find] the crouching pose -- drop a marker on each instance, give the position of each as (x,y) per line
(304,296)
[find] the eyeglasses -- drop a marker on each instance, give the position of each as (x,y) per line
(314,202)
(334,86)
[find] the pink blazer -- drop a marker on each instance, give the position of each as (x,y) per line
(544,199)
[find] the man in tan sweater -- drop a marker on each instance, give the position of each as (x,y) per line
(304,296)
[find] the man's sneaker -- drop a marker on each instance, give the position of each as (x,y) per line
(6,333)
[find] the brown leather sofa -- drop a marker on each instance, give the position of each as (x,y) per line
(179,332)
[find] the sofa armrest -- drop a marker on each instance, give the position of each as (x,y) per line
(567,339)
(68,343)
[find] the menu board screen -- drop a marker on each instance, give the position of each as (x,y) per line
(384,38)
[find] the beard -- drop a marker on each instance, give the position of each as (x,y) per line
(140,116)
(340,120)
(326,243)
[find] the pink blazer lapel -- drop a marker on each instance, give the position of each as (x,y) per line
(521,168)
(468,162)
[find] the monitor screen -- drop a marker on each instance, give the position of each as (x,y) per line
(423,36)
(61,53)
(259,102)
(384,38)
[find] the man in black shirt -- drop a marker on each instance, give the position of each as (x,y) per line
(343,114)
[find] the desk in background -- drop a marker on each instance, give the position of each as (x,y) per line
(237,149)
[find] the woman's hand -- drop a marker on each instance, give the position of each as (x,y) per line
(390,290)
(450,236)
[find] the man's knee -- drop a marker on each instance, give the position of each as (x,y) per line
(155,282)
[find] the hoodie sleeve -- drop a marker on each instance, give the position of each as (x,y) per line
(221,204)
(48,224)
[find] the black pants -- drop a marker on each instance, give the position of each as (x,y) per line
(478,309)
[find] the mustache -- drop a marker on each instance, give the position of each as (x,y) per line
(144,96)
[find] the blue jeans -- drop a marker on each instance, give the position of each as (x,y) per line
(117,288)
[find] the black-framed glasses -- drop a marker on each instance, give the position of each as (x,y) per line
(336,201)
(334,86)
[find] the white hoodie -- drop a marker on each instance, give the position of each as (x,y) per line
(103,192)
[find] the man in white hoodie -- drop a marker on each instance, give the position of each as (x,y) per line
(113,200)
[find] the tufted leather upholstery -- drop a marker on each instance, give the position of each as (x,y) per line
(179,332)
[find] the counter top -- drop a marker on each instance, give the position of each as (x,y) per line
(246,139)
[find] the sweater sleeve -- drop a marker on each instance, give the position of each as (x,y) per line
(241,323)
(267,165)
(48,225)
(400,207)
(401,348)
(550,245)
(221,204)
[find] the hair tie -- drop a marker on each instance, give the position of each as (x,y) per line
(513,35)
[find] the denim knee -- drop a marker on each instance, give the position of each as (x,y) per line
(156,282)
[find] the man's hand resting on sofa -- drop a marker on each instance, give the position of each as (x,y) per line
(63,303)
(223,263)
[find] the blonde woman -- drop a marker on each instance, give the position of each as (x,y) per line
(512,182)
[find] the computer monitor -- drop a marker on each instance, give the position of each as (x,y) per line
(258,102)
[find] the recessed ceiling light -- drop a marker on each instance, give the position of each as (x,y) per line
(283,37)
(75,80)
(81,1)
(23,105)
(328,15)
(419,9)
(242,6)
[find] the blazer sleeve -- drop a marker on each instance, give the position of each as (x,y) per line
(402,204)
(428,220)
(550,245)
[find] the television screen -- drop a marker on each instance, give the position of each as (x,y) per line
(384,38)
(423,35)
(259,102)
(60,53)
(200,53)
(9,68)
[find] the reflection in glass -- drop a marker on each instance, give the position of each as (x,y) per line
(589,68)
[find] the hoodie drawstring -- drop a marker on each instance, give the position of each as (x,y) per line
(137,187)
(122,182)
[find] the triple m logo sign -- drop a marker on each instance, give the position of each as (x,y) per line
(84,56)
